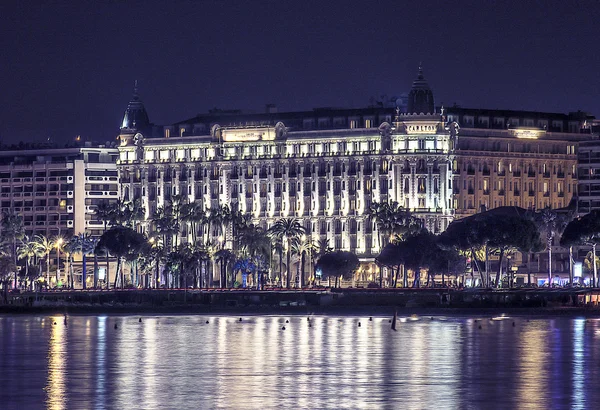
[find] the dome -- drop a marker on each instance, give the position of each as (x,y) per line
(420,98)
(135,116)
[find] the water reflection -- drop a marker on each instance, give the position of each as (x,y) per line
(57,364)
(327,362)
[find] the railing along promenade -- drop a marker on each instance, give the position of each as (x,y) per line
(315,297)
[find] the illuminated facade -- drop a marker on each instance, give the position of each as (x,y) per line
(327,166)
(326,178)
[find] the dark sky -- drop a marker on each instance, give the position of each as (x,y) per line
(67,67)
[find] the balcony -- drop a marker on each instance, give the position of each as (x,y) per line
(501,192)
(516,192)
(560,175)
(486,172)
(516,173)
(486,192)
(531,192)
(546,174)
(531,174)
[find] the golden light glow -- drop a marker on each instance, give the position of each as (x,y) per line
(57,364)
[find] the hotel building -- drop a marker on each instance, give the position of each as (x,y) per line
(327,166)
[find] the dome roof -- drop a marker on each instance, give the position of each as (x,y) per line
(420,98)
(135,116)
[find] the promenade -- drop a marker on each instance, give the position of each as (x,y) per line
(132,300)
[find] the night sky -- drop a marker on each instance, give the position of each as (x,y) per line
(67,68)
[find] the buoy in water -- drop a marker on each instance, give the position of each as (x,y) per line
(370,319)
(240,319)
(358,324)
(287,321)
(140,320)
(207,322)
(282,327)
(116,326)
(480,326)
(514,324)
(55,323)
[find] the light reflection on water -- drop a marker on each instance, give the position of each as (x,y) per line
(328,362)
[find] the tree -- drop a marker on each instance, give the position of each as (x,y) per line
(392,219)
(584,230)
(7,267)
(338,264)
(45,246)
(245,266)
(84,244)
(71,247)
(551,223)
(288,230)
(500,230)
(12,232)
(28,250)
(510,233)
(223,257)
(125,244)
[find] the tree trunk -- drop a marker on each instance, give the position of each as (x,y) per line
(83,273)
(280,268)
(499,271)
(528,269)
(48,269)
(595,267)
(302,270)
(288,270)
(157,274)
(107,270)
(571,279)
(116,273)
(95,271)
(550,262)
(404,277)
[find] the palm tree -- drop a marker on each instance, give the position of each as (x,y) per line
(551,223)
(12,232)
(70,248)
(7,266)
(86,246)
(301,249)
(28,250)
(45,246)
(166,225)
(219,218)
(104,213)
(223,257)
(288,230)
(134,214)
(391,219)
(245,266)
(124,243)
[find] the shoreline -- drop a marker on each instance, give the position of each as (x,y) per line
(373,310)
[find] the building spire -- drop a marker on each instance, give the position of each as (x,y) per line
(135,90)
